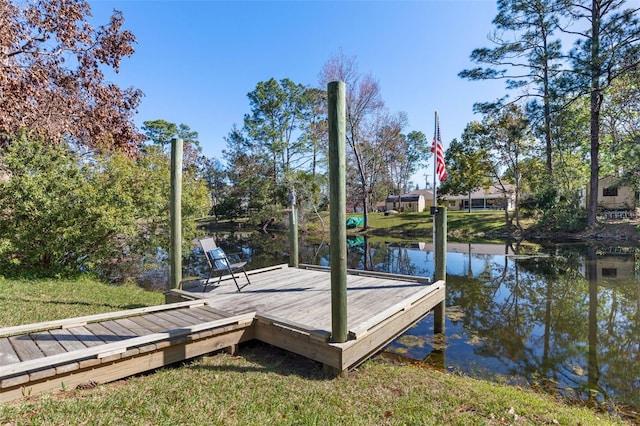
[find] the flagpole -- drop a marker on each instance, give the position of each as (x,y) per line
(434,208)
(435,159)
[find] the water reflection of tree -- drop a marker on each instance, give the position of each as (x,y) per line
(542,318)
(381,257)
(506,306)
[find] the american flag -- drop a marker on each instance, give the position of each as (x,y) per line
(437,147)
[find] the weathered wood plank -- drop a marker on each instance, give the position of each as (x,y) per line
(117,328)
(67,340)
(313,333)
(298,342)
(7,354)
(160,321)
(69,322)
(202,314)
(145,322)
(363,310)
(290,291)
(86,336)
(127,367)
(393,310)
(47,343)
(25,347)
(375,274)
(180,319)
(102,332)
(134,327)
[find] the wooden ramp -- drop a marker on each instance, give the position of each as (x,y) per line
(287,307)
(95,349)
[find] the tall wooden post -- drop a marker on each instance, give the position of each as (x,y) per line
(440,246)
(293,230)
(175,252)
(338,215)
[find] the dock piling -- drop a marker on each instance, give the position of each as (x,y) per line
(440,246)
(175,251)
(293,230)
(338,229)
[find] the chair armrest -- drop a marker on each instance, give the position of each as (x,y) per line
(237,255)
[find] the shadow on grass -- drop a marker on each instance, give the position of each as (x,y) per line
(71,303)
(270,359)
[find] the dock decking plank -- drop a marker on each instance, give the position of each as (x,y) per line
(147,323)
(47,343)
(86,336)
(71,322)
(177,317)
(133,326)
(160,321)
(7,354)
(125,328)
(287,293)
(102,332)
(67,340)
(202,314)
(25,347)
(119,329)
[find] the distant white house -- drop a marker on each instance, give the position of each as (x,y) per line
(492,198)
(415,201)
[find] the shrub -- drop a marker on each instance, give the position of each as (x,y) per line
(63,212)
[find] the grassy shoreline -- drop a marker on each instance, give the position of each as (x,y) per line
(263,384)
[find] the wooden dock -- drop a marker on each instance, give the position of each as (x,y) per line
(287,307)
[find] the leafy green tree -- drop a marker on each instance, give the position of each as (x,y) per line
(251,186)
(216,178)
(571,162)
(410,153)
(161,132)
(607,48)
(527,56)
(315,130)
(277,111)
(103,215)
(504,136)
(621,125)
(467,166)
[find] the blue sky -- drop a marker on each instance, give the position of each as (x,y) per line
(197,60)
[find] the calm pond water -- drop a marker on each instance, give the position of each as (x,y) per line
(564,318)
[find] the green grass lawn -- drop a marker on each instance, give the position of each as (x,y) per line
(482,222)
(263,385)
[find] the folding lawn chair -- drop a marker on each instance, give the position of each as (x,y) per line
(220,263)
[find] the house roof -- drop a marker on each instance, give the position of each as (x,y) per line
(405,198)
(491,192)
(426,193)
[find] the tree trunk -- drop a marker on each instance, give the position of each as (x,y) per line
(275,177)
(595,102)
(365,206)
(547,106)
